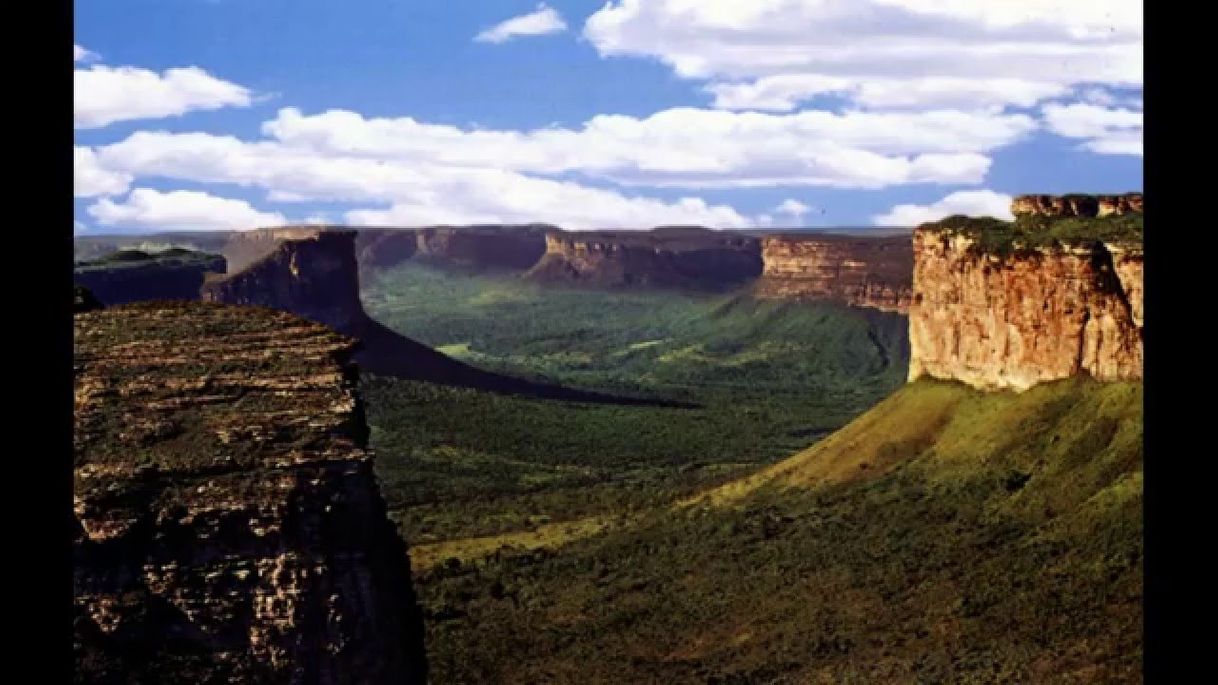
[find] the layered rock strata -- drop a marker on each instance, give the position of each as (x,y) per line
(1077,205)
(1030,316)
(133,275)
(501,247)
(229,526)
(683,257)
(860,271)
(317,277)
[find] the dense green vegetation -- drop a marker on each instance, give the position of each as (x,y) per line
(767,379)
(994,236)
(1005,549)
(170,257)
(945,535)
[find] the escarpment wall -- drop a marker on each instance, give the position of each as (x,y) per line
(689,258)
(1077,205)
(151,279)
(246,247)
(865,272)
(314,276)
(1011,321)
(229,525)
(505,247)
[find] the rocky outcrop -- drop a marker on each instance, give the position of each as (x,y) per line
(384,247)
(860,271)
(1012,320)
(134,275)
(83,300)
(677,257)
(495,247)
(229,526)
(316,277)
(246,247)
(1076,205)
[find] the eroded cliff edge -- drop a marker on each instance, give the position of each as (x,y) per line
(1007,305)
(316,276)
(861,271)
(230,528)
(664,257)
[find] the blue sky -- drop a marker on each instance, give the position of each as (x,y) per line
(591,114)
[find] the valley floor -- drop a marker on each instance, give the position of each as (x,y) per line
(943,535)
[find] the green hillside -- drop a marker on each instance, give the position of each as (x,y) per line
(945,536)
(767,378)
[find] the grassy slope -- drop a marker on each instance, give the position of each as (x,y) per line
(1001,542)
(769,378)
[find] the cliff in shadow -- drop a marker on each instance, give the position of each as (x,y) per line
(229,524)
(135,275)
(317,277)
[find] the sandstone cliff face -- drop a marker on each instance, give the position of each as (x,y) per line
(246,247)
(316,277)
(1013,321)
(175,275)
(229,523)
(503,247)
(684,258)
(864,272)
(1077,205)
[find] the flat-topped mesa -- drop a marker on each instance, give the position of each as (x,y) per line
(246,247)
(135,275)
(316,277)
(497,247)
(229,524)
(999,309)
(1077,205)
(680,257)
(313,275)
(860,271)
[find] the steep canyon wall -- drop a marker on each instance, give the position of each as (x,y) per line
(229,525)
(865,272)
(1012,320)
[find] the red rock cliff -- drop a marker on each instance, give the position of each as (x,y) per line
(1036,315)
(668,257)
(865,272)
(246,247)
(229,524)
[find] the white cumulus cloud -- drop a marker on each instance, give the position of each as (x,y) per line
(185,210)
(90,179)
(792,208)
(773,54)
(688,147)
(1104,130)
(966,202)
(104,95)
(545,20)
(80,54)
(410,192)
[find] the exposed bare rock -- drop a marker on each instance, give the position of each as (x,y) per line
(861,271)
(135,275)
(1076,205)
(502,247)
(1033,315)
(316,277)
(246,247)
(682,257)
(229,523)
